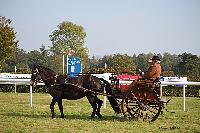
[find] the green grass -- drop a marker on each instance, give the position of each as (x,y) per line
(17,116)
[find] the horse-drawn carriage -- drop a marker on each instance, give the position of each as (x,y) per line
(140,102)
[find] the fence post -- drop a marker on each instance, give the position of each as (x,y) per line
(184,97)
(104,101)
(15,87)
(30,97)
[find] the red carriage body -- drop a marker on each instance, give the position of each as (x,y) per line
(125,80)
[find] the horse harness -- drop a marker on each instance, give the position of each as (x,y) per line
(79,86)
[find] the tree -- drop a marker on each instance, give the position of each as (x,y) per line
(34,57)
(189,66)
(142,61)
(69,35)
(8,44)
(18,59)
(97,64)
(40,57)
(121,63)
(169,63)
(45,56)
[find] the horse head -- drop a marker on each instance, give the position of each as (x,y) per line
(35,76)
(39,73)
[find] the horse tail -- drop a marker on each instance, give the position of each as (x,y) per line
(111,98)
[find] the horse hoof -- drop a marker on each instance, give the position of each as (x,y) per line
(62,116)
(54,118)
(99,115)
(92,116)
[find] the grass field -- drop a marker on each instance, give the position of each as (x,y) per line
(17,116)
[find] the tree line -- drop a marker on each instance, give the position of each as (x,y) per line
(185,64)
(69,35)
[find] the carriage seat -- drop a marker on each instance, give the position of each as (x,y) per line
(153,82)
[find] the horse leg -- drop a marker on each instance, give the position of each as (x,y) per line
(53,115)
(99,103)
(61,108)
(94,105)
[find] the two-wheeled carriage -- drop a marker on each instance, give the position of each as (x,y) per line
(141,102)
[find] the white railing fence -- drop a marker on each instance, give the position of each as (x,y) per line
(163,83)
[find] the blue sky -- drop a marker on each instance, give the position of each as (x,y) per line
(112,26)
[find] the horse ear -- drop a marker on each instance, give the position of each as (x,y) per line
(91,77)
(34,66)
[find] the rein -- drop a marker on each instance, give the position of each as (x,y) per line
(50,77)
(88,90)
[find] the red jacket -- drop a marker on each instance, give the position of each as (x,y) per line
(153,72)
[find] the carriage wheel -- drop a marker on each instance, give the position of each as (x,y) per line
(141,103)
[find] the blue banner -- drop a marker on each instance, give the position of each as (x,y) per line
(74,66)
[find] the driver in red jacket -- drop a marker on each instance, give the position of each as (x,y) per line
(152,74)
(154,70)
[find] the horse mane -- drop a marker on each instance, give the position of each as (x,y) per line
(46,71)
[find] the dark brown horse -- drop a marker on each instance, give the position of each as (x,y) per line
(70,88)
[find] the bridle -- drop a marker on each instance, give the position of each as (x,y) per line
(34,77)
(35,80)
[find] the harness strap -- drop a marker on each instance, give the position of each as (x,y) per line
(88,90)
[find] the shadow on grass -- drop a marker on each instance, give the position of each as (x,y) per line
(18,114)
(68,116)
